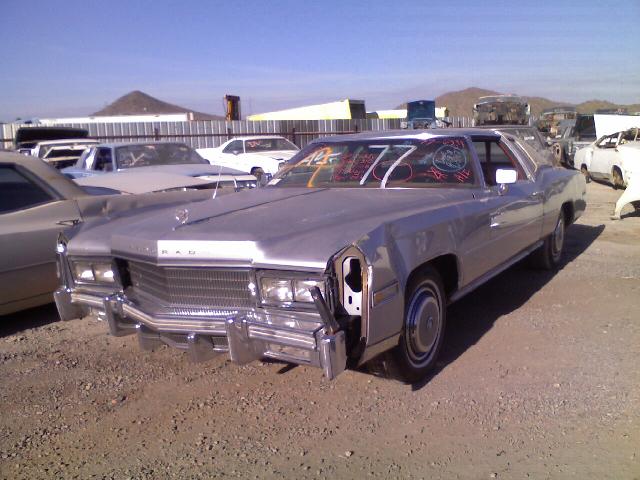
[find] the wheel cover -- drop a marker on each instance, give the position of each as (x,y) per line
(557,242)
(423,326)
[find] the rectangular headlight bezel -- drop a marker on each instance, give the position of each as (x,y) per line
(295,280)
(93,271)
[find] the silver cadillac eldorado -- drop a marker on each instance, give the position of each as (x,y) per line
(353,250)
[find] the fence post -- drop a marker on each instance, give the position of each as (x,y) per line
(293,135)
(156,134)
(356,128)
(228,133)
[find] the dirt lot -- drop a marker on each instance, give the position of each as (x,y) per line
(540,378)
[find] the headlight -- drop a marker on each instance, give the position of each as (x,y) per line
(281,290)
(93,272)
(276,290)
(302,287)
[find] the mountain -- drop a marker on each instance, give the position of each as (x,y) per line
(460,103)
(139,103)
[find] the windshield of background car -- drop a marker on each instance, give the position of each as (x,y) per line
(132,156)
(585,128)
(387,162)
(267,144)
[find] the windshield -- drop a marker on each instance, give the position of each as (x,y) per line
(380,163)
(585,128)
(131,156)
(268,144)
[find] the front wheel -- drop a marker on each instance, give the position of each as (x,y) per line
(585,172)
(548,256)
(423,331)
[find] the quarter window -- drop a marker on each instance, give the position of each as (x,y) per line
(235,146)
(18,192)
(494,155)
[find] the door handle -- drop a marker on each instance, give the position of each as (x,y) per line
(70,222)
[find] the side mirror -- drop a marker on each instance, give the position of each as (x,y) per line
(505,176)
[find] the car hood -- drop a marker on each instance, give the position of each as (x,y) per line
(142,182)
(264,228)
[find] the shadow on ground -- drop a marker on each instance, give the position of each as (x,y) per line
(26,319)
(474,315)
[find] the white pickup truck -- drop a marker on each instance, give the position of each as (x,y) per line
(257,155)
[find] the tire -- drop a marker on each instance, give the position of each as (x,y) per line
(617,179)
(585,172)
(549,255)
(423,329)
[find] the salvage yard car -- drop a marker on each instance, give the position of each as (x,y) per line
(610,157)
(355,249)
(37,202)
(154,157)
(62,153)
(257,155)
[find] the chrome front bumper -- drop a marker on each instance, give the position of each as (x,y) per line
(246,336)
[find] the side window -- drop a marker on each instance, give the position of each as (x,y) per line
(18,192)
(493,155)
(103,160)
(236,145)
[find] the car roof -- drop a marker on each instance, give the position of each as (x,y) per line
(69,141)
(44,172)
(129,144)
(412,134)
(257,137)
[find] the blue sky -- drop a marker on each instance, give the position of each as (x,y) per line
(69,57)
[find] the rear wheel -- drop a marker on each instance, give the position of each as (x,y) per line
(585,172)
(616,174)
(257,172)
(423,330)
(548,256)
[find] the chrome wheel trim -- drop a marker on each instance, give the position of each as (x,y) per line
(423,326)
(557,241)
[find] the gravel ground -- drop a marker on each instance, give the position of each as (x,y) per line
(539,379)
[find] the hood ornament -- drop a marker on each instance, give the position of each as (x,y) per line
(182,216)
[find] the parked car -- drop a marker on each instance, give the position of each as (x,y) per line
(257,155)
(28,137)
(164,157)
(37,202)
(355,249)
(572,136)
(610,157)
(62,153)
(501,110)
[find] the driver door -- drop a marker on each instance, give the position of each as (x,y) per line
(516,211)
(603,158)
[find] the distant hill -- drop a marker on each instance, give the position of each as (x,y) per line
(139,103)
(460,103)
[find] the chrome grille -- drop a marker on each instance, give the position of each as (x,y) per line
(193,290)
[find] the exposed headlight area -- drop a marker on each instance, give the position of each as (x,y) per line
(283,291)
(92,272)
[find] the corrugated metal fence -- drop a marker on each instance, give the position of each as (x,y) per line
(210,133)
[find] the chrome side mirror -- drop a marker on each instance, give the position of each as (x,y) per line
(504,177)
